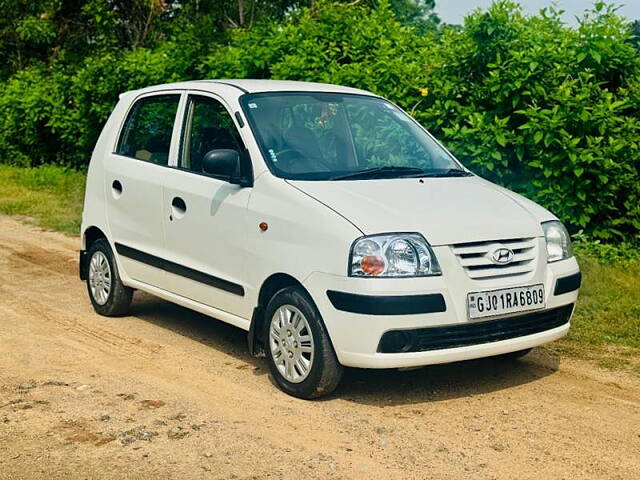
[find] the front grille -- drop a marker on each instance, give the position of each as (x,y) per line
(475,258)
(473,333)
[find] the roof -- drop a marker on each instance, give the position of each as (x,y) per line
(258,86)
(255,86)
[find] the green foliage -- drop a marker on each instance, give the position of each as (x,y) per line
(26,32)
(55,115)
(622,254)
(606,323)
(635,32)
(546,110)
(94,89)
(550,111)
(27,104)
(50,195)
(418,14)
(344,44)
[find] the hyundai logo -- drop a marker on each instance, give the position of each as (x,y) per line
(502,256)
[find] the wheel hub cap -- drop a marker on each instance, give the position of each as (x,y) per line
(99,278)
(291,343)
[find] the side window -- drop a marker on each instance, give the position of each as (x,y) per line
(146,134)
(207,126)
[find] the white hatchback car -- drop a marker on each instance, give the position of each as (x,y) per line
(324,221)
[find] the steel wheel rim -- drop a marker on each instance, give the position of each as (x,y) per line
(291,343)
(100,278)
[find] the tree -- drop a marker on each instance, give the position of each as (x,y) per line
(635,34)
(417,13)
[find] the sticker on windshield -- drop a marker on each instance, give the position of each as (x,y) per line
(272,154)
(253,105)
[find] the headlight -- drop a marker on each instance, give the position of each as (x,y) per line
(558,241)
(392,255)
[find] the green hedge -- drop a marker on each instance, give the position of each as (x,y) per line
(550,111)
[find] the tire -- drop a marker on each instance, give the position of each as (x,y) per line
(513,355)
(109,296)
(293,328)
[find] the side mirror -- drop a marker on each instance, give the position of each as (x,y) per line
(222,162)
(233,166)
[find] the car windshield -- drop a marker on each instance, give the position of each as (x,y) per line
(328,136)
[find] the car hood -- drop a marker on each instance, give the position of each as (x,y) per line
(445,210)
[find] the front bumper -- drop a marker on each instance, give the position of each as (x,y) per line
(356,332)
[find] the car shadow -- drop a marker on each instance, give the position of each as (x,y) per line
(196,326)
(432,383)
(436,383)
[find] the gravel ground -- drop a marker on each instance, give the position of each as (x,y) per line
(168,393)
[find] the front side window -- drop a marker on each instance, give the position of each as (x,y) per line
(326,136)
(208,126)
(146,134)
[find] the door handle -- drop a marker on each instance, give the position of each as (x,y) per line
(116,189)
(178,208)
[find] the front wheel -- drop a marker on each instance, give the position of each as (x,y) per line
(299,352)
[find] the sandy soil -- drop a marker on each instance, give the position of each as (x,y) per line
(168,393)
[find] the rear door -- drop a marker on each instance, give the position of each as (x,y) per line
(134,173)
(204,215)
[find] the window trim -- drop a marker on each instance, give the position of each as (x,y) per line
(125,117)
(177,129)
(183,112)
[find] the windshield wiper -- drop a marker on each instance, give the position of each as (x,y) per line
(400,172)
(381,172)
(452,172)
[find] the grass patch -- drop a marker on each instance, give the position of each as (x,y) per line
(606,325)
(50,196)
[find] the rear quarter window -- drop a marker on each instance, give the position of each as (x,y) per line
(146,133)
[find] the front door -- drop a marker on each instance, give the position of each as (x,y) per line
(205,215)
(133,186)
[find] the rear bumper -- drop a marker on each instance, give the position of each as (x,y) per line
(358,321)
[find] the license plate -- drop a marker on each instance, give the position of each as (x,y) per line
(506,300)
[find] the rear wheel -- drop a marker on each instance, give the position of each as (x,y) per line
(299,352)
(109,296)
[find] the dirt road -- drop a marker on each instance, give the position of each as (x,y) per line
(168,393)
